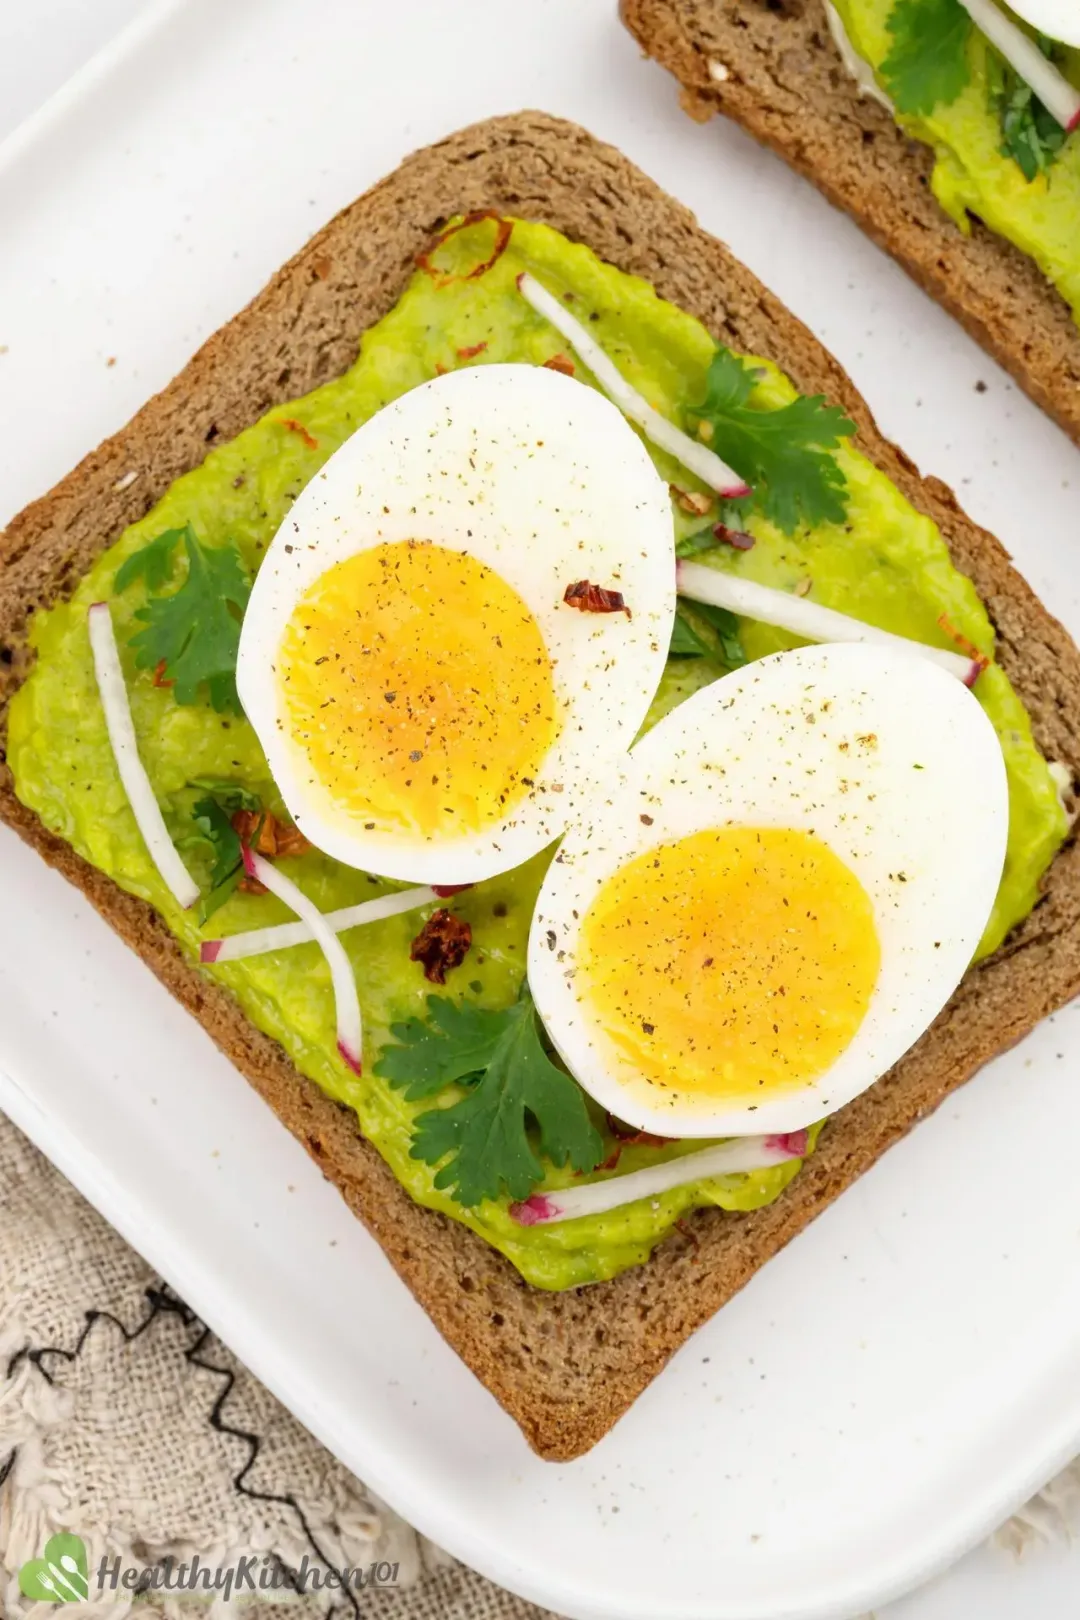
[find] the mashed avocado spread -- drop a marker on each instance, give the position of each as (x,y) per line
(981,153)
(885,564)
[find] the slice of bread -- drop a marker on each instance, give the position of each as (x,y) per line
(772,66)
(565,1366)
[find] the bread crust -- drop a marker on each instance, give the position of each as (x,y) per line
(787,86)
(565,1366)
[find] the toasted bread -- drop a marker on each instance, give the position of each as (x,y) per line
(564,1365)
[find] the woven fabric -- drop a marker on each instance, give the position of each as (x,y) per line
(125,1422)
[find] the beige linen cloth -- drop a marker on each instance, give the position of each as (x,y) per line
(124,1421)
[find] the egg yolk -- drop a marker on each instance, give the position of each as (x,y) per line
(418,684)
(731,964)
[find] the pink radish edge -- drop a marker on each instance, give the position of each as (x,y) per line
(352,1059)
(533,1210)
(793,1142)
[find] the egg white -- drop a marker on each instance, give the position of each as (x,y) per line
(1057,19)
(539,477)
(743,752)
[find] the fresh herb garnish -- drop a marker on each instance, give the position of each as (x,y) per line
(688,642)
(1030,135)
(785,453)
(927,65)
(685,641)
(212,816)
(692,545)
(514,1093)
(194,631)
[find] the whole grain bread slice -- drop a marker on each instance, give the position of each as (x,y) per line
(773,67)
(565,1366)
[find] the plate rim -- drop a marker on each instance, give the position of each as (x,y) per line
(194,1280)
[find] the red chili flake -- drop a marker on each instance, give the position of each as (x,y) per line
(687,1232)
(589,598)
(159,675)
(629,1137)
(560,362)
(472,351)
(440,369)
(443,890)
(502,239)
(968,648)
(609,1163)
(298,428)
(734,537)
(443,943)
(694,501)
(267,835)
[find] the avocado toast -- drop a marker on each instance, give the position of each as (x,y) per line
(564,1364)
(929,192)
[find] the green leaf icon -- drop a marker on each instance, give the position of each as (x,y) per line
(59,1575)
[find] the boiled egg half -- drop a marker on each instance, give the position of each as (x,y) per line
(776,893)
(1057,19)
(436,682)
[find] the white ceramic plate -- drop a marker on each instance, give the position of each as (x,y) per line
(906,1372)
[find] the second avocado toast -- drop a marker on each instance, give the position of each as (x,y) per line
(787,72)
(564,1364)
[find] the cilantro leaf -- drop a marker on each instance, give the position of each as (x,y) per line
(927,65)
(726,625)
(215,827)
(456,1042)
(153,563)
(687,641)
(514,1089)
(1030,135)
(212,817)
(195,630)
(232,795)
(692,545)
(784,453)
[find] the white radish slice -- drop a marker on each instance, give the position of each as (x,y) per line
(136,783)
(349,1030)
(596,1197)
(802,617)
(691,452)
(1048,82)
(260,940)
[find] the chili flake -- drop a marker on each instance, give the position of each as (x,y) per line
(589,598)
(443,943)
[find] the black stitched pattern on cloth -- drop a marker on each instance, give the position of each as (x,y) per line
(161,1301)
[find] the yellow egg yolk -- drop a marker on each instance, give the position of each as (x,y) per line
(419,687)
(731,964)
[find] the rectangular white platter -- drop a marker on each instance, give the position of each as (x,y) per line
(905,1373)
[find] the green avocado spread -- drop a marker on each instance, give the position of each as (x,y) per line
(885,563)
(980,149)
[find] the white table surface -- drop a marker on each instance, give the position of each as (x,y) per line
(41,45)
